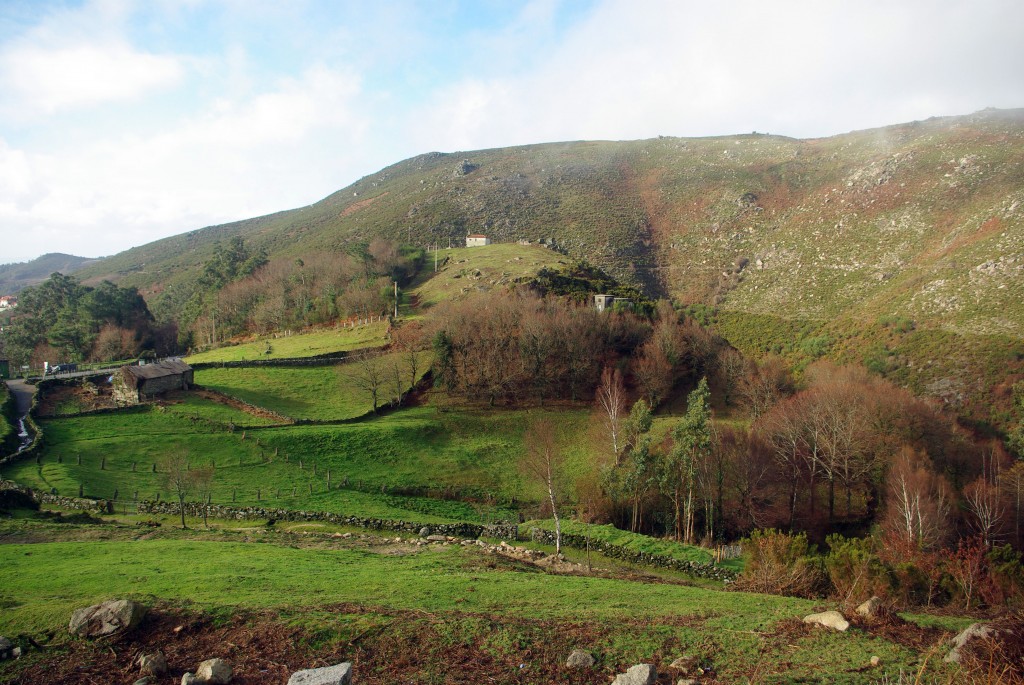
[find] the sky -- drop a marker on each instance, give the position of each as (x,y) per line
(125,121)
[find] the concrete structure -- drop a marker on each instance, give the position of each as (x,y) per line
(135,384)
(477,240)
(603,302)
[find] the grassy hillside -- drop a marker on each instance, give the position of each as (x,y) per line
(504,621)
(465,455)
(920,222)
(312,344)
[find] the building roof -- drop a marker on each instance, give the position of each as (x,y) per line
(169,367)
(476,235)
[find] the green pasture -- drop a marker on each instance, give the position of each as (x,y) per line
(466,270)
(462,595)
(414,464)
(196,408)
(320,393)
(298,345)
(623,538)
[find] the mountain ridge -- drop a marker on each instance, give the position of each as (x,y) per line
(919,222)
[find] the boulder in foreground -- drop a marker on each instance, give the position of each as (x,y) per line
(108,618)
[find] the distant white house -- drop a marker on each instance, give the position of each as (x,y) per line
(477,240)
(8,302)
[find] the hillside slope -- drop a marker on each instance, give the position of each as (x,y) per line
(921,224)
(20,275)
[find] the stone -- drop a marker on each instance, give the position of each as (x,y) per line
(870,608)
(975,631)
(114,616)
(6,647)
(684,663)
(829,619)
(641,674)
(580,658)
(146,680)
(190,679)
(875,662)
(339,674)
(686,681)
(436,538)
(214,672)
(425,531)
(152,664)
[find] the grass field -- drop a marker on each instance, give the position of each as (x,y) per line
(299,345)
(448,455)
(195,407)
(322,393)
(470,269)
(437,602)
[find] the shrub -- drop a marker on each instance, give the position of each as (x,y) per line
(780,564)
(855,571)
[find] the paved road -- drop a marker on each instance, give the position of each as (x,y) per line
(23,393)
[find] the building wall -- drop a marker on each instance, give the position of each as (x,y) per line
(155,386)
(477,242)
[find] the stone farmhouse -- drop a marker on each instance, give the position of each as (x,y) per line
(477,240)
(135,384)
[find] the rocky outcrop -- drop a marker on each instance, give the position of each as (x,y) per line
(108,618)
(580,658)
(870,609)
(641,674)
(214,672)
(975,631)
(154,664)
(829,619)
(339,674)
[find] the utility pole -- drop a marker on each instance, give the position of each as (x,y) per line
(435,259)
(396,299)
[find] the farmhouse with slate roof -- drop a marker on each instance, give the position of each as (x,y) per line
(135,384)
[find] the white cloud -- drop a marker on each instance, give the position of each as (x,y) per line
(288,145)
(37,79)
(802,68)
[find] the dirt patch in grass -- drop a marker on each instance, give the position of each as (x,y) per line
(259,649)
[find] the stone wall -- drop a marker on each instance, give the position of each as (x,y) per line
(693,568)
(508,531)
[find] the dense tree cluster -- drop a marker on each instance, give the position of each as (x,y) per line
(62,320)
(243,293)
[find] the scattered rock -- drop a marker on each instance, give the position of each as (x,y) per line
(190,679)
(152,664)
(580,659)
(425,531)
(436,538)
(6,649)
(146,680)
(214,672)
(641,674)
(686,681)
(975,631)
(116,615)
(340,674)
(829,619)
(875,662)
(870,608)
(684,664)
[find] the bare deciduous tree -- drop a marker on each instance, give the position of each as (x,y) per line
(611,408)
(543,464)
